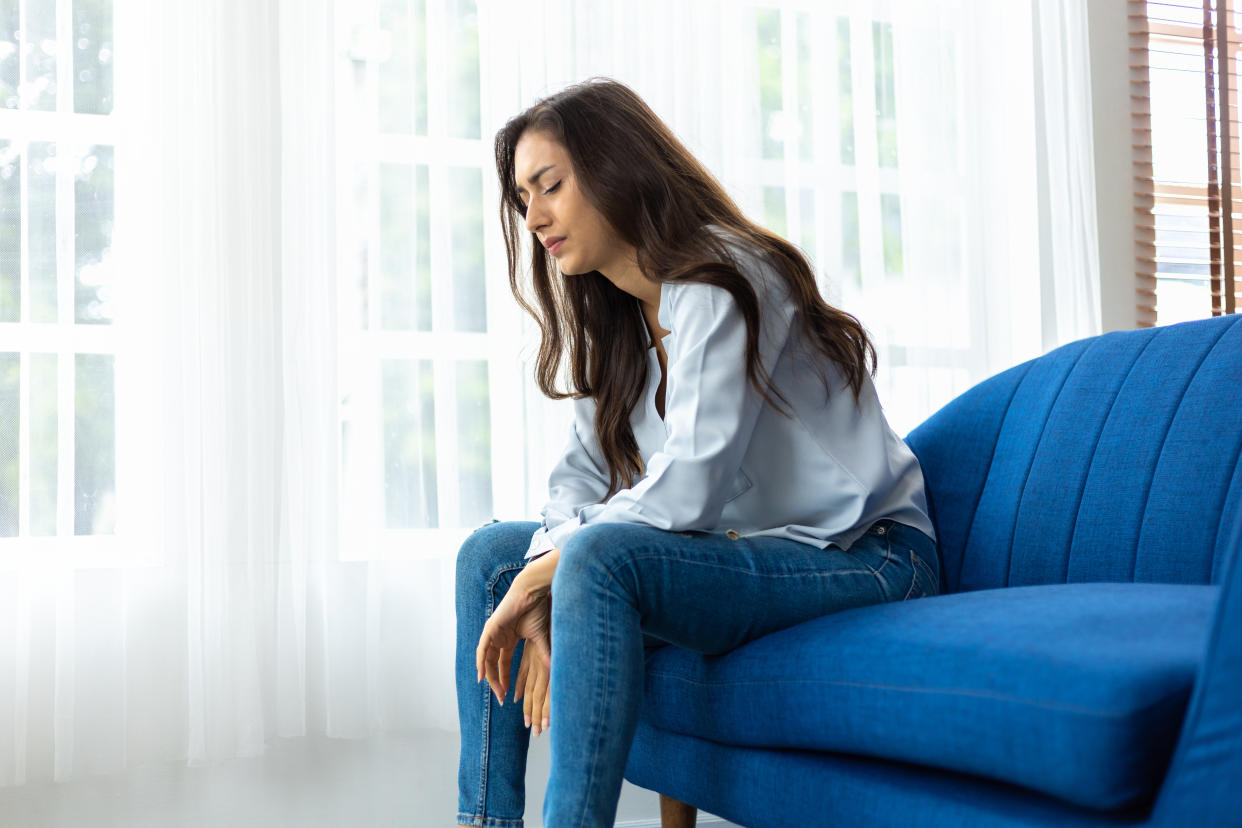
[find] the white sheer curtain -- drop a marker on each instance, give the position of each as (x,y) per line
(247,618)
(1070,269)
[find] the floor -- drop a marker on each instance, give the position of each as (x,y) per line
(303,783)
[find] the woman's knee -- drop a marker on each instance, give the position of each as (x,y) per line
(492,545)
(599,555)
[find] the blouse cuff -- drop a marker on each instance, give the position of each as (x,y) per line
(540,544)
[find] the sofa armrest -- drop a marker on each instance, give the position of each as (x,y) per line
(1202,782)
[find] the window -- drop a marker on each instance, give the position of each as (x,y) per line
(1186,158)
(428,386)
(58,347)
(439,427)
(834,182)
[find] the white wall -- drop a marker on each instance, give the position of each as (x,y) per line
(1110,99)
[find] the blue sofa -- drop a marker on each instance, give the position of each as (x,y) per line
(1083,665)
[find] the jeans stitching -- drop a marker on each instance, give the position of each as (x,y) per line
(602,700)
(932,579)
(487,822)
(888,555)
(914,579)
(499,572)
(817,572)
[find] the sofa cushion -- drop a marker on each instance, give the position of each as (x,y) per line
(1075,690)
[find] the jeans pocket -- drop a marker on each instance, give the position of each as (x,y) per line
(924,583)
(875,552)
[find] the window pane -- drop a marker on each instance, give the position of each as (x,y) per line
(10,233)
(422,249)
(10,375)
(806,238)
(1182,300)
(474,442)
(403,75)
(94,446)
(890,217)
(463,66)
(1183,263)
(405,248)
(774,210)
(806,89)
(469,295)
(409,444)
(885,94)
(93,237)
(396,210)
(1179,146)
(1166,12)
(845,90)
(43,449)
(10,59)
(41,231)
(771,118)
(39,51)
(92,56)
(851,250)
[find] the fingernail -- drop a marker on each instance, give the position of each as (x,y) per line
(536,730)
(527,718)
(545,724)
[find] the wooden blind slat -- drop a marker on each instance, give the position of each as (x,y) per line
(1165,30)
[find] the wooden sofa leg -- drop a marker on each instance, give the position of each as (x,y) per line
(674,814)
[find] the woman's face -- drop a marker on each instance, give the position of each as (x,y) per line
(557,212)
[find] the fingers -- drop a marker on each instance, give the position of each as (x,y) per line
(488,658)
(523,669)
(539,706)
(493,680)
(528,658)
(504,665)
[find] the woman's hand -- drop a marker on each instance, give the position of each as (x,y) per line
(521,614)
(534,684)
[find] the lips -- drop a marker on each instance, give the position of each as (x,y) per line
(553,243)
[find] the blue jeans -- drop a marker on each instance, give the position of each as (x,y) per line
(619,589)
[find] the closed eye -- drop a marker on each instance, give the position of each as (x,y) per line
(553,188)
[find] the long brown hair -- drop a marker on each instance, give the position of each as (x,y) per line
(658,198)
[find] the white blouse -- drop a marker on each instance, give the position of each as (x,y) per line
(723,459)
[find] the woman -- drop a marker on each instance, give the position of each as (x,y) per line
(729,472)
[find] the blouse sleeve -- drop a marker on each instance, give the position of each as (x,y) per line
(579,478)
(710,413)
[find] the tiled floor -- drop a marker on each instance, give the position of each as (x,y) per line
(303,783)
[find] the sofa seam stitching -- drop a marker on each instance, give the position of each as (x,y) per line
(974,510)
(1168,427)
(1098,435)
(1026,476)
(979,694)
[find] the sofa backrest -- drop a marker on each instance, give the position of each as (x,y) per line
(1114,458)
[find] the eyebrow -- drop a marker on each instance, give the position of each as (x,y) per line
(535,178)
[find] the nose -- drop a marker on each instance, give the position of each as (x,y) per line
(535,216)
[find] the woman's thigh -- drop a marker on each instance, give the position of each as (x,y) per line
(710,593)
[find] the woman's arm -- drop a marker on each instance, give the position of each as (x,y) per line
(578,479)
(535,579)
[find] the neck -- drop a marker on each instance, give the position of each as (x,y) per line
(625,274)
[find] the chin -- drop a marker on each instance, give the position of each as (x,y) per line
(571,268)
